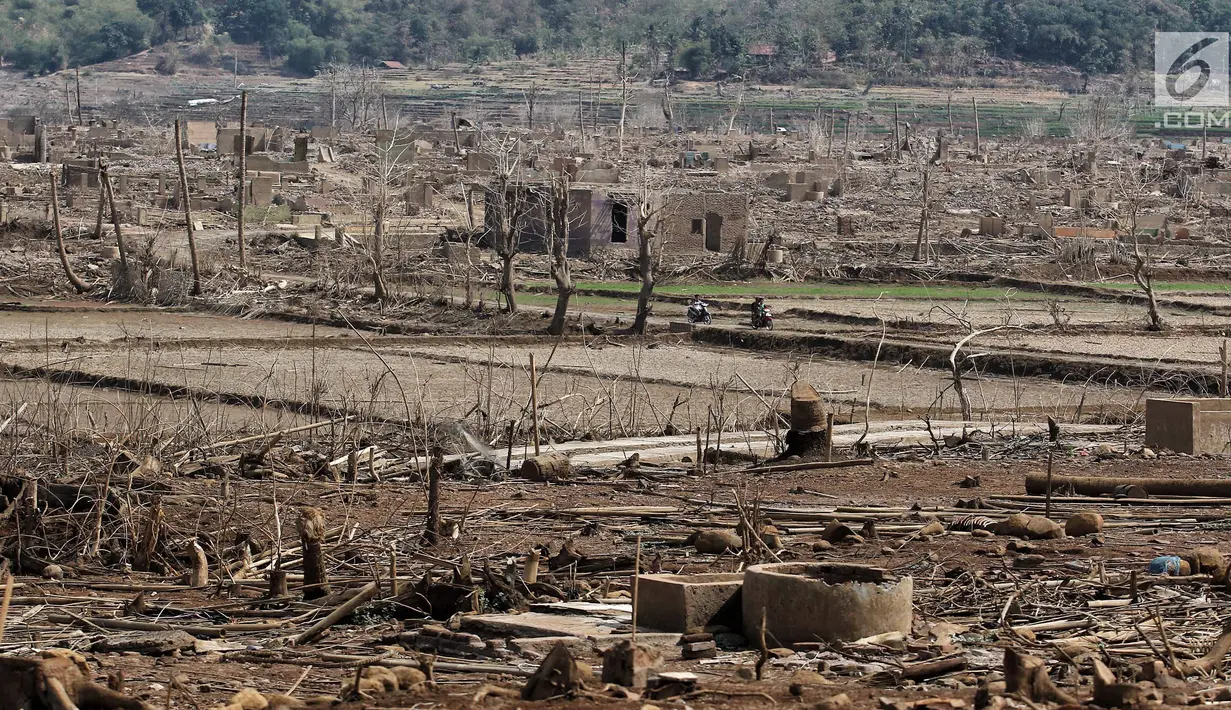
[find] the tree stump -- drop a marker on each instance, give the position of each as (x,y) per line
(807,434)
(312,537)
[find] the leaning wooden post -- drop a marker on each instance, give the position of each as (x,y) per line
(187,205)
(534,403)
(1222,356)
(80,284)
(243,178)
(105,176)
(312,538)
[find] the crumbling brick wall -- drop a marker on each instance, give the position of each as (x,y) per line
(698,222)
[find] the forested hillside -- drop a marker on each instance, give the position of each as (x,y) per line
(705,38)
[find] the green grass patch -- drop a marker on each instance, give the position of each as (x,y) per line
(1218,288)
(804,290)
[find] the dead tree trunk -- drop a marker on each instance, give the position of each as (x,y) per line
(187,205)
(923,218)
(312,538)
(506,280)
(559,252)
(75,280)
(378,251)
(645,267)
(431,533)
(105,176)
(1141,274)
(242,197)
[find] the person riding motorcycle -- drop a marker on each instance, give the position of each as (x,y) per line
(698,310)
(758,309)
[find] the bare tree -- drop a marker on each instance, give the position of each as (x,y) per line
(186,204)
(558,207)
(508,203)
(531,96)
(1137,185)
(354,92)
(242,196)
(384,173)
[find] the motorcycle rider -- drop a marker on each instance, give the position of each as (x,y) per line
(758,310)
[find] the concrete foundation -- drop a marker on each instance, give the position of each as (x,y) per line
(1189,426)
(804,601)
(684,603)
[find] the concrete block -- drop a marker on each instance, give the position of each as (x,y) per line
(308,218)
(679,603)
(680,327)
(1190,425)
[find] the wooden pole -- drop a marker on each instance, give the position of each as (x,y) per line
(833,122)
(187,205)
(81,287)
(949,108)
(698,466)
(978,141)
(636,587)
(4,603)
(102,211)
(828,437)
(367,593)
(534,403)
(80,120)
(897,134)
(1047,505)
(243,178)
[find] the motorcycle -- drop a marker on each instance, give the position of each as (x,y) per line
(699,312)
(763,319)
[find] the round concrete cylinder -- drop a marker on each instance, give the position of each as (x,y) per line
(806,601)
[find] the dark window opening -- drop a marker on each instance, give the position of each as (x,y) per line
(698,226)
(619,223)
